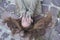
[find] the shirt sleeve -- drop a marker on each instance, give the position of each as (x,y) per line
(20,7)
(32,8)
(34,5)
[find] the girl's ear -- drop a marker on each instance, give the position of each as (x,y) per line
(30,19)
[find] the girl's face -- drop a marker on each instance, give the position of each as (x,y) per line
(26,22)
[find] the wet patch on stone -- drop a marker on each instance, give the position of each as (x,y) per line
(0,30)
(1,39)
(5,35)
(12,39)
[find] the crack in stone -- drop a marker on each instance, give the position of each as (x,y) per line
(51,5)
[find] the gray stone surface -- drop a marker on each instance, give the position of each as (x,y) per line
(46,1)
(56,2)
(53,34)
(58,27)
(5,35)
(45,9)
(1,39)
(0,30)
(12,39)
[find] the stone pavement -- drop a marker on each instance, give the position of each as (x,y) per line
(48,5)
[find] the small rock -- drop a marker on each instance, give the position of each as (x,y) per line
(12,39)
